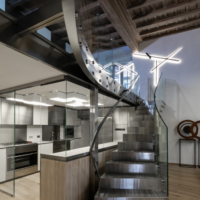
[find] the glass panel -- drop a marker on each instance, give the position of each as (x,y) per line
(8,103)
(3,4)
(114,127)
(107,47)
(42,112)
(78,118)
(161,134)
(57,34)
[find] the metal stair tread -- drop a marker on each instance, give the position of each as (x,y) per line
(139,134)
(133,151)
(128,193)
(130,162)
(130,176)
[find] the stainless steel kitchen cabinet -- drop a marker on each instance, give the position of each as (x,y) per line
(19,113)
(72,118)
(57,115)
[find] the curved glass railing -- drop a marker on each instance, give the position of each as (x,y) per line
(105,46)
(161,134)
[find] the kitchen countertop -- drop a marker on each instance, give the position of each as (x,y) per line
(78,153)
(39,143)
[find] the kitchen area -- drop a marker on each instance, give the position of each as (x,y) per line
(37,120)
(37,131)
(51,120)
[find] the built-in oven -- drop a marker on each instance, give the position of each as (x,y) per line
(24,161)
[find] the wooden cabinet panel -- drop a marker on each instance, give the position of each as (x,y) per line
(69,180)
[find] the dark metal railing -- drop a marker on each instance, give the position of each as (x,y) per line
(124,93)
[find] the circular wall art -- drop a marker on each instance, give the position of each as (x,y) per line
(186,129)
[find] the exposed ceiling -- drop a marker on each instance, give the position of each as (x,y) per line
(25,7)
(127,22)
(89,10)
(143,20)
(67,87)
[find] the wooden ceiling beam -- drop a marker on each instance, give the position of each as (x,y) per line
(89,7)
(165,28)
(99,29)
(110,35)
(166,9)
(168,19)
(171,33)
(144,4)
(122,22)
(93,19)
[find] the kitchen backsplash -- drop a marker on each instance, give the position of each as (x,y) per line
(7,133)
(34,133)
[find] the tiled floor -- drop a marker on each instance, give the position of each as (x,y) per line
(184,184)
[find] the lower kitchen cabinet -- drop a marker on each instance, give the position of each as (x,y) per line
(44,149)
(2,165)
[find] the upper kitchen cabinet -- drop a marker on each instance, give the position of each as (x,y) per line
(40,115)
(22,114)
(57,116)
(17,113)
(72,118)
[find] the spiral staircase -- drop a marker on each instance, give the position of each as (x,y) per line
(133,171)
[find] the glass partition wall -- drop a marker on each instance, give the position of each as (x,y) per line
(57,119)
(161,134)
(8,134)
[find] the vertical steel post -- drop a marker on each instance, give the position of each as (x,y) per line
(93,129)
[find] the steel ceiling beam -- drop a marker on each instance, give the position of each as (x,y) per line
(47,15)
(18,3)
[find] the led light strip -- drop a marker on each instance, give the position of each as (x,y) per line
(162,60)
(167,59)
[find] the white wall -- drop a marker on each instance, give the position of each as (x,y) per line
(34,133)
(182,84)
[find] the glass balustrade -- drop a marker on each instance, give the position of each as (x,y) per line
(161,134)
(104,43)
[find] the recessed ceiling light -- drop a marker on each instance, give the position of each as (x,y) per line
(67,97)
(15,97)
(58,96)
(75,104)
(74,96)
(38,100)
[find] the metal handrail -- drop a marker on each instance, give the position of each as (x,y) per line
(124,93)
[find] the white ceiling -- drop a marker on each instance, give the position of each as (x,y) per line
(66,86)
(17,68)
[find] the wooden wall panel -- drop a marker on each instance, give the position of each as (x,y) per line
(52,184)
(69,180)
